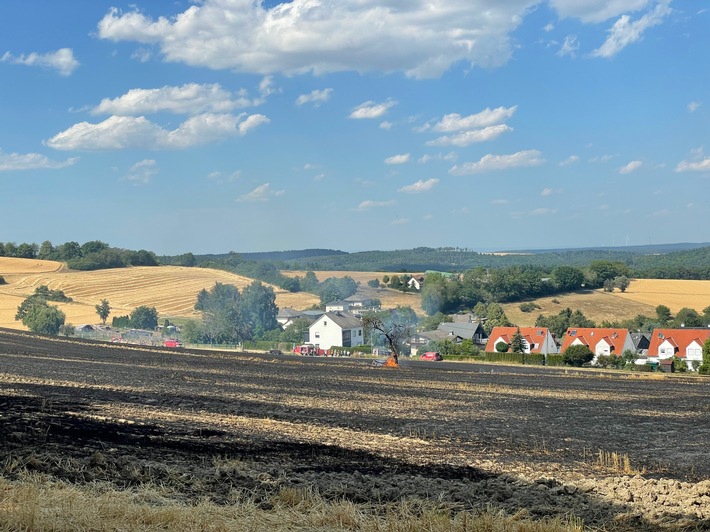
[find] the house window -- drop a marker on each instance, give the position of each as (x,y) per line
(325,323)
(317,335)
(359,332)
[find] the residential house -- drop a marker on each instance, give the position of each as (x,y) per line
(600,341)
(416,283)
(359,305)
(336,329)
(287,315)
(339,305)
(686,344)
(535,339)
(457,332)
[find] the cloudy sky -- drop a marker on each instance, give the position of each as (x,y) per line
(245,125)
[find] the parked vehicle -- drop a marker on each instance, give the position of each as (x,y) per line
(308,350)
(431,355)
(171,342)
(275,352)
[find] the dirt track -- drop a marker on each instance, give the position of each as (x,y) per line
(215,424)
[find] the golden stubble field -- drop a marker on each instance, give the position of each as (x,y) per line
(171,289)
(641,297)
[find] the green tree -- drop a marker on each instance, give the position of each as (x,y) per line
(688,317)
(622,282)
(430,323)
(706,315)
(502,347)
(27,251)
(663,313)
(258,308)
(567,278)
(46,251)
(93,246)
(296,331)
(609,285)
(43,318)
(704,368)
(144,317)
(577,355)
(67,329)
(103,309)
(516,342)
(373,283)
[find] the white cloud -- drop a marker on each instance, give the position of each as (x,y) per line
(492,162)
(546,191)
(372,204)
(400,221)
(260,193)
(316,97)
(191,98)
(630,167)
(62,60)
(569,46)
(386,125)
(569,160)
(371,109)
(466,138)
(548,27)
(450,157)
(320,37)
(601,159)
(593,11)
(142,54)
(540,211)
(142,172)
(121,132)
(702,165)
(398,159)
(419,186)
(625,32)
(693,106)
(487,117)
(220,177)
(10,162)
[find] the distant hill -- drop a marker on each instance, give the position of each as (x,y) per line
(648,249)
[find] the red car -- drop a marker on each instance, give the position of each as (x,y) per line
(431,355)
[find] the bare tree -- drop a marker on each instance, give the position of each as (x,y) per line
(395,329)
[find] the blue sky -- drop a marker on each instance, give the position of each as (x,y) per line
(252,126)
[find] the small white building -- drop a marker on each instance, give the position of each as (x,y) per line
(336,329)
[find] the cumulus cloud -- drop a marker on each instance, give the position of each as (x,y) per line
(142,172)
(492,162)
(191,98)
(320,37)
(372,204)
(701,165)
(62,60)
(419,186)
(261,193)
(386,125)
(371,109)
(625,31)
(398,159)
(121,132)
(466,138)
(569,160)
(315,97)
(630,167)
(31,161)
(487,117)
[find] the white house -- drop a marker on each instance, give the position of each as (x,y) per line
(686,344)
(535,339)
(416,283)
(600,341)
(336,329)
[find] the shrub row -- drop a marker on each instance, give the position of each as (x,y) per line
(515,358)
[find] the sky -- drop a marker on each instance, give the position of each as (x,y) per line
(246,125)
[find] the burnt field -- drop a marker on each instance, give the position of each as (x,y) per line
(619,451)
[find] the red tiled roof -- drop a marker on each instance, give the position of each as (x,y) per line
(591,336)
(678,338)
(535,337)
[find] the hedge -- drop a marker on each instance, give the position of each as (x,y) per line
(555,360)
(515,358)
(643,368)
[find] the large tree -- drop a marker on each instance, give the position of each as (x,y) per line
(393,328)
(41,317)
(144,317)
(103,309)
(258,305)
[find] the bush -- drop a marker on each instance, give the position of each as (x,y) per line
(515,358)
(502,347)
(704,369)
(121,322)
(644,368)
(529,307)
(577,355)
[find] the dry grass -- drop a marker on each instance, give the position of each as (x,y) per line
(617,463)
(171,289)
(595,304)
(35,503)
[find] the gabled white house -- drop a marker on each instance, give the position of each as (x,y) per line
(336,329)
(535,339)
(686,344)
(600,341)
(416,283)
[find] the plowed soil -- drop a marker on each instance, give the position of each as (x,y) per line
(210,424)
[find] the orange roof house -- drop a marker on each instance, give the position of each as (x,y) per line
(685,344)
(535,339)
(599,341)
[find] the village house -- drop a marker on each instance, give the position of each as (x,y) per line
(456,332)
(535,339)
(336,329)
(600,341)
(416,283)
(685,344)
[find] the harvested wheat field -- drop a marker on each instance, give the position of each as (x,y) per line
(171,289)
(106,437)
(389,298)
(675,294)
(11,266)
